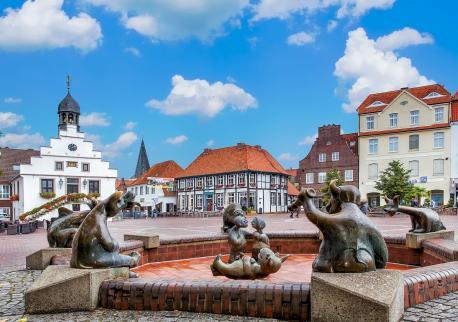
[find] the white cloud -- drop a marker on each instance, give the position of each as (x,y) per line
(253,41)
(130,125)
(231,79)
(42,24)
(178,19)
(115,149)
(287,156)
(134,51)
(283,9)
(300,39)
(22,141)
(12,100)
(402,38)
(94,119)
(9,119)
(308,140)
(199,97)
(177,139)
(372,69)
(210,143)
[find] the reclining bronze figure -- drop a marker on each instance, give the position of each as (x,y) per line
(424,220)
(351,242)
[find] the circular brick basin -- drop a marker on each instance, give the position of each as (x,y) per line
(296,269)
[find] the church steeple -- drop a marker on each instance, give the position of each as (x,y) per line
(69,110)
(142,162)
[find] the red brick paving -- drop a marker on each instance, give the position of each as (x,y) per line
(14,249)
(296,269)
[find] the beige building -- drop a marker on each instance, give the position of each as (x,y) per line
(411,125)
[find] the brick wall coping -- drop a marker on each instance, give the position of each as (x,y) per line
(442,247)
(130,245)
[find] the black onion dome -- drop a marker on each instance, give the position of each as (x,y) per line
(68,104)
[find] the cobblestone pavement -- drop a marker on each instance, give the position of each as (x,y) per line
(441,309)
(14,249)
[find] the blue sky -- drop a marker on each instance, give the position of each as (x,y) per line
(185,75)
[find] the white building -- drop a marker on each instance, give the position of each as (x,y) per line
(155,188)
(454,148)
(68,165)
(242,174)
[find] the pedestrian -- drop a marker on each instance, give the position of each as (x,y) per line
(414,202)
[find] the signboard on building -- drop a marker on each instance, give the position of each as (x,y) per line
(161,182)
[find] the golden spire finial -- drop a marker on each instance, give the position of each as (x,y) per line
(69,78)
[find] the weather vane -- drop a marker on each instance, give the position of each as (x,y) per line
(69,78)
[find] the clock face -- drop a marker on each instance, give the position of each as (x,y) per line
(72,147)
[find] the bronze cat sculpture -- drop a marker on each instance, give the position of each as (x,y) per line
(93,246)
(424,220)
(62,229)
(247,267)
(351,242)
(260,238)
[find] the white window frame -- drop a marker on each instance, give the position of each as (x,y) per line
(321,177)
(322,157)
(438,163)
(414,149)
(273,198)
(209,181)
(414,117)
(220,180)
(5,212)
(393,144)
(231,197)
(242,178)
(370,175)
(349,175)
(393,120)
(309,178)
(335,156)
(439,140)
(439,111)
(370,122)
(61,165)
(230,179)
(414,167)
(5,192)
(373,146)
(252,178)
(219,200)
(199,200)
(199,182)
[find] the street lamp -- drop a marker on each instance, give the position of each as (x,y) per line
(61,182)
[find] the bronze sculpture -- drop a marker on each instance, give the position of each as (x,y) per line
(351,242)
(424,220)
(247,267)
(93,246)
(264,260)
(260,238)
(62,230)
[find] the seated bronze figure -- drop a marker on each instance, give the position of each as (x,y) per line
(260,238)
(351,242)
(236,236)
(232,211)
(93,246)
(424,220)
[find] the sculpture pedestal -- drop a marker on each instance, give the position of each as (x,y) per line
(149,240)
(42,258)
(414,240)
(62,289)
(373,296)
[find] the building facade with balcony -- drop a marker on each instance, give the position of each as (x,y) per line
(411,125)
(331,150)
(68,165)
(9,163)
(155,189)
(242,174)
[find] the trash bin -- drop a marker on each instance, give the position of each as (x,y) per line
(12,229)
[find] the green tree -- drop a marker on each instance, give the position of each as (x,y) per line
(331,175)
(394,180)
(417,193)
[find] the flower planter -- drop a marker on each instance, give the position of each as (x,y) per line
(47,195)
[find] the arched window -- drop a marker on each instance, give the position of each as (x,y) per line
(70,118)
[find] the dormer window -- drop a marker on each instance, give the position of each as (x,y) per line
(432,95)
(376,103)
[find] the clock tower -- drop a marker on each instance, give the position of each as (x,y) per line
(69,110)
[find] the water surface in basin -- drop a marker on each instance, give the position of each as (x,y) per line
(296,269)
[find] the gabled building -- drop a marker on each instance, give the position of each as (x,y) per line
(454,149)
(155,189)
(68,165)
(243,174)
(9,170)
(331,150)
(411,125)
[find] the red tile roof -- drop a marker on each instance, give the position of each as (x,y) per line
(419,92)
(241,157)
(454,112)
(292,190)
(168,193)
(166,169)
(10,157)
(292,172)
